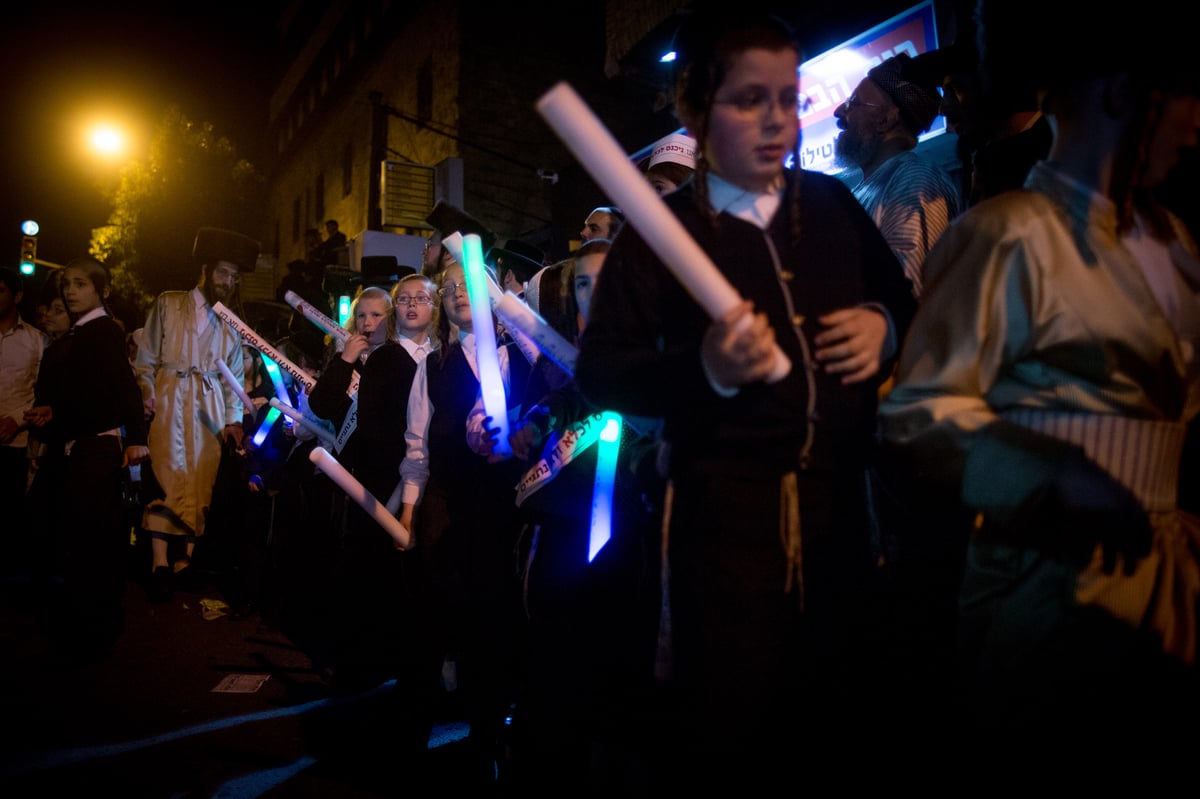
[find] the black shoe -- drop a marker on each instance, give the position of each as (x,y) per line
(159,587)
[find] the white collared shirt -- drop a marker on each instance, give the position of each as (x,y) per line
(95,313)
(419,352)
(20,357)
(757,208)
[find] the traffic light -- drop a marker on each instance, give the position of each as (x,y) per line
(28,254)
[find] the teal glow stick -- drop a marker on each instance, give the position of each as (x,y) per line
(491,382)
(277,380)
(602,493)
(260,435)
(280,389)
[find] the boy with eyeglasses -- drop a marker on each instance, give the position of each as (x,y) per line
(767,540)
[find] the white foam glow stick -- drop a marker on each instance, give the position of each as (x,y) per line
(596,149)
(327,439)
(358,492)
(236,385)
(310,312)
(262,345)
(491,381)
(518,317)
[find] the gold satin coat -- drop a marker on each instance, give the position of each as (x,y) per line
(1032,301)
(178,367)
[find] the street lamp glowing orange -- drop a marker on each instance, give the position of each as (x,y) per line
(107,140)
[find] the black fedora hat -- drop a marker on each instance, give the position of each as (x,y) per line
(378,269)
(447,219)
(214,244)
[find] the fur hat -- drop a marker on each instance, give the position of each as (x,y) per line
(214,244)
(913,88)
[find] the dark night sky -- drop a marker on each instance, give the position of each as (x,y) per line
(67,62)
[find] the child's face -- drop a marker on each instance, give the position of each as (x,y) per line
(754,123)
(249,364)
(414,307)
(56,321)
(455,302)
(370,318)
(587,269)
(79,292)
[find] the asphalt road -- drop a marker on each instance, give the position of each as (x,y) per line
(194,701)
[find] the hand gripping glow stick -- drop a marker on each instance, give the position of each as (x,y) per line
(260,434)
(310,312)
(524,343)
(236,385)
(610,167)
(281,394)
(260,344)
(358,492)
(491,382)
(326,437)
(602,493)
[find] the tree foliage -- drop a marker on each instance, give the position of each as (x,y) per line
(190,178)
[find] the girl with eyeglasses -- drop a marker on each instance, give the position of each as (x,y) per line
(417,310)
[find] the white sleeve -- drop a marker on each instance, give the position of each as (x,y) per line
(414,469)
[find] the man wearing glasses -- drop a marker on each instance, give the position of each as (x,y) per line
(192,411)
(911,198)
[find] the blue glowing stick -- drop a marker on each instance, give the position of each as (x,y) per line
(280,388)
(491,382)
(277,380)
(602,494)
(260,435)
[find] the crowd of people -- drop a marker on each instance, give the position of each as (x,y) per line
(927,467)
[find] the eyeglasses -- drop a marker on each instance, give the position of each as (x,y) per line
(229,274)
(404,301)
(853,100)
(759,102)
(449,289)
